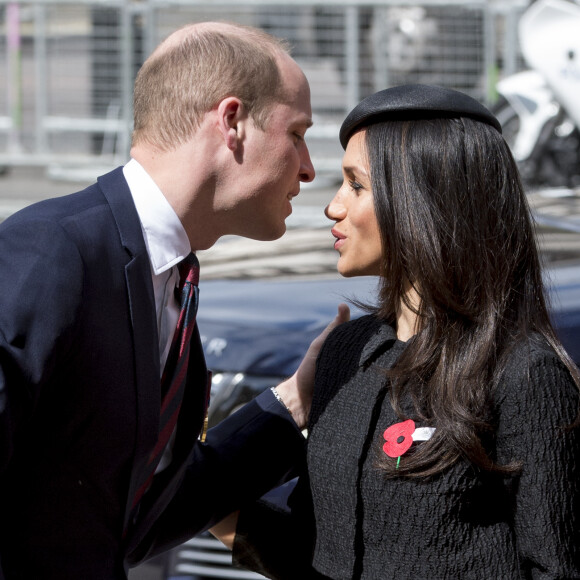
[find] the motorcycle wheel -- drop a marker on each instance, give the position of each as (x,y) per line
(555,159)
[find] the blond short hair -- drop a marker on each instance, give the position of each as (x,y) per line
(194,69)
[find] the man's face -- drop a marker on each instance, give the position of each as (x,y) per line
(275,161)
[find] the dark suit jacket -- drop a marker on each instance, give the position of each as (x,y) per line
(80,397)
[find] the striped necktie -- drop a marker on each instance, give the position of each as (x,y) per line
(174,376)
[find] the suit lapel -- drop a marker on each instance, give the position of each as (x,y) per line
(146,357)
(141,303)
(146,363)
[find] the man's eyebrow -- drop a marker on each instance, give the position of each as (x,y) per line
(302,122)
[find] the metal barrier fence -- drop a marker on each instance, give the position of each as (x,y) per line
(67,68)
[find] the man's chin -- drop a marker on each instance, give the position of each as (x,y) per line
(269,236)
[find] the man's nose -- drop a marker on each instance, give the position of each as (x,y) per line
(307,172)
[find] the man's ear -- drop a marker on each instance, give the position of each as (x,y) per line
(231,113)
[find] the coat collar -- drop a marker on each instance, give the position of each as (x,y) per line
(141,306)
(384,337)
(116,191)
(146,352)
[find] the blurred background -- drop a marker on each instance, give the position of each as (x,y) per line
(67,68)
(66,79)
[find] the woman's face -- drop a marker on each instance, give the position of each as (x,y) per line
(358,240)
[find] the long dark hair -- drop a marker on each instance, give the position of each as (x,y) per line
(455,224)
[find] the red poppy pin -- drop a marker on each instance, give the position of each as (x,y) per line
(400,436)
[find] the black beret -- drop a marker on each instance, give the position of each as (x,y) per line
(413,102)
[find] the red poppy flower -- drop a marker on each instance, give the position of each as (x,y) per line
(398,438)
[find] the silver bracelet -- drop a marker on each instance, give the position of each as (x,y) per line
(279,399)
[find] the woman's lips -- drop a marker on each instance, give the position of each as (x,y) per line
(340,238)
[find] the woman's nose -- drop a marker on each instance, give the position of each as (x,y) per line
(335,210)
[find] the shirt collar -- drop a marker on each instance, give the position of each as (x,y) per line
(165,237)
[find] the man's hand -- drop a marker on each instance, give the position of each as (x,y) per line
(296,392)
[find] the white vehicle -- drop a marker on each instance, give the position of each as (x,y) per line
(539,109)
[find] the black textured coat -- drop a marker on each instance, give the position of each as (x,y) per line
(348,521)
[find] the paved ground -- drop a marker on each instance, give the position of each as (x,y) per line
(303,249)
(297,252)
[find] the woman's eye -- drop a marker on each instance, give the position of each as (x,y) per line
(355,185)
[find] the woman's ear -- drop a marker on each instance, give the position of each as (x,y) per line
(231,113)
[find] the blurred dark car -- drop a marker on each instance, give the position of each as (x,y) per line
(255,332)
